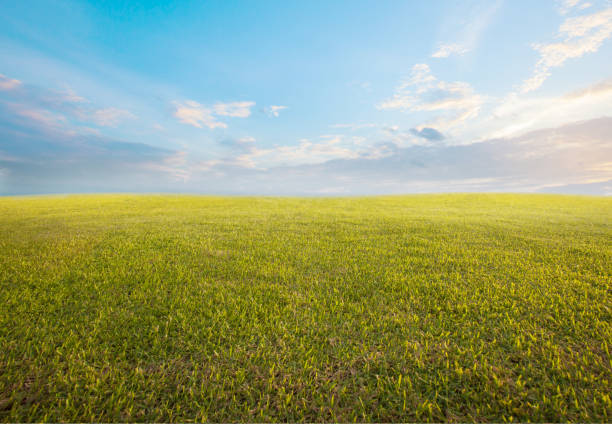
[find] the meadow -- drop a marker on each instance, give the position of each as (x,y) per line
(464,307)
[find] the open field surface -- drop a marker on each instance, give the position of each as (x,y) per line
(411,308)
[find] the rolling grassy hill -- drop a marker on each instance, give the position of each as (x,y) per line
(407,308)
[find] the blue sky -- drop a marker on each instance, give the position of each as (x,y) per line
(314,98)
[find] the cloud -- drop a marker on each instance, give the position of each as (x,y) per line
(111,117)
(242,143)
(307,151)
(246,140)
(57,107)
(274,110)
(354,127)
(234,109)
(40,154)
(446,50)
(193,113)
(574,154)
(8,83)
(422,92)
(465,26)
(579,36)
(597,89)
(569,5)
(430,134)
(173,165)
(518,114)
(47,146)
(70,96)
(41,116)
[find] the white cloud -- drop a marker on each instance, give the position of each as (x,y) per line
(194,114)
(274,110)
(580,35)
(423,92)
(7,83)
(517,114)
(234,109)
(445,50)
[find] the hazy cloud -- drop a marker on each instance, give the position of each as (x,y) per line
(53,107)
(40,155)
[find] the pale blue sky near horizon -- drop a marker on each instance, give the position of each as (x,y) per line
(317,98)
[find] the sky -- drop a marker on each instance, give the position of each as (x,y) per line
(306,97)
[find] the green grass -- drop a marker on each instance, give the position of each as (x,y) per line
(411,308)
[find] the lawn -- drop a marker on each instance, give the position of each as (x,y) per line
(403,308)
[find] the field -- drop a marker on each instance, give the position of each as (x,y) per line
(401,308)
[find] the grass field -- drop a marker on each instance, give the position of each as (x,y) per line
(411,308)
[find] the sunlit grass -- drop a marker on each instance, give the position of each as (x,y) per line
(413,308)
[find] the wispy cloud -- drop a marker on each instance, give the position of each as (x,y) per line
(53,106)
(7,83)
(274,110)
(41,153)
(355,126)
(567,6)
(579,36)
(517,114)
(423,92)
(308,151)
(42,117)
(465,26)
(234,109)
(594,90)
(446,50)
(193,113)
(173,165)
(111,117)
